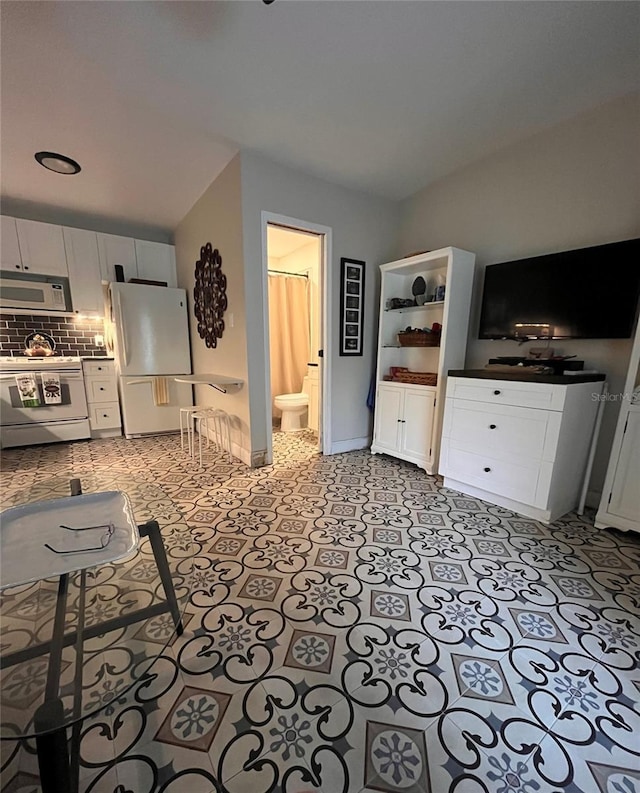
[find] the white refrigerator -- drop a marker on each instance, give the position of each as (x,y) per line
(151,327)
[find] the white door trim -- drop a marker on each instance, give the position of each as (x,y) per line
(326,334)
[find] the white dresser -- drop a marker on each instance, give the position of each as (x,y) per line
(101,387)
(522,445)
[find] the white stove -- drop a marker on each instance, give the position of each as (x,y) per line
(23,425)
(24,363)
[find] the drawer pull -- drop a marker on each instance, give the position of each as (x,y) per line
(105,415)
(101,388)
(497,392)
(99,368)
(486,470)
(492,426)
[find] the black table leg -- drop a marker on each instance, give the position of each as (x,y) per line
(151,529)
(53,752)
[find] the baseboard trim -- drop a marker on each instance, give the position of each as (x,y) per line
(237,451)
(350,445)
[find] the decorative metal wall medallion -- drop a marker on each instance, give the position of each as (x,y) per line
(210,295)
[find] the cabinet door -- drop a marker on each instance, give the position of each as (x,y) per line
(114,250)
(625,493)
(84,270)
(10,257)
(417,423)
(156,262)
(388,416)
(41,247)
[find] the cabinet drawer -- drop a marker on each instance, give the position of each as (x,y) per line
(104,416)
(503,431)
(99,368)
(507,392)
(101,389)
(516,481)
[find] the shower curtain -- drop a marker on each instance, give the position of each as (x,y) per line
(288,334)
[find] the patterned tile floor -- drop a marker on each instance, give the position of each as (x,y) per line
(357,627)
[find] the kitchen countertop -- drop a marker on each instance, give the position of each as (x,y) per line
(557,379)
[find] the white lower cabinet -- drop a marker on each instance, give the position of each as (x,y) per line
(404,422)
(101,388)
(529,459)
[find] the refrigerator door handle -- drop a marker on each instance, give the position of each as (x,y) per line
(123,330)
(140,381)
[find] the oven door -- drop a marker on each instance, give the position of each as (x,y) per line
(73,406)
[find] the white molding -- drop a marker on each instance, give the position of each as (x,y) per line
(527,510)
(350,445)
(327,334)
(237,451)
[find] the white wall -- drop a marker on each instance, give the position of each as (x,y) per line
(571,186)
(217,218)
(363,227)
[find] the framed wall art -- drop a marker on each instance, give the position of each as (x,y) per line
(210,295)
(351,306)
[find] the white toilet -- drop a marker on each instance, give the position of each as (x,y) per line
(294,409)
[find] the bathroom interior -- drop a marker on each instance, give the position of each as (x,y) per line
(294,289)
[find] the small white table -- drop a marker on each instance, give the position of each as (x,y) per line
(220,382)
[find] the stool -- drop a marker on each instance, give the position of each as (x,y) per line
(187,425)
(221,429)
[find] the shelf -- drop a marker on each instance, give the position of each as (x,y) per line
(400,384)
(433,304)
(411,346)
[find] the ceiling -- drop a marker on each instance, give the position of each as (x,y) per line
(154,98)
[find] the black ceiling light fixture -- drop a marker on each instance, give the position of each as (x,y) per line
(57,162)
(267,2)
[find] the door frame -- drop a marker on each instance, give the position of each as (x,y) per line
(326,336)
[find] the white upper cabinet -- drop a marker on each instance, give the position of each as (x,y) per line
(156,262)
(10,256)
(113,250)
(41,247)
(84,271)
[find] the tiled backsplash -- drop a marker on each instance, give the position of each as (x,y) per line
(72,335)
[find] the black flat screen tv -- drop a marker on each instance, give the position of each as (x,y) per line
(590,293)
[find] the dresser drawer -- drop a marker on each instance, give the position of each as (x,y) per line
(101,389)
(516,481)
(503,431)
(99,368)
(507,392)
(104,416)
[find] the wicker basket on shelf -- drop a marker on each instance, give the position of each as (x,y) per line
(416,378)
(418,338)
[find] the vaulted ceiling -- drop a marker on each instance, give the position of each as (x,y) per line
(154,98)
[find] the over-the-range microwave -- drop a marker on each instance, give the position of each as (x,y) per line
(41,293)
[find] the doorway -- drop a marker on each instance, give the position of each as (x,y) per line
(295,255)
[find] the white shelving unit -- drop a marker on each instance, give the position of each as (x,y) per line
(408,417)
(620,503)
